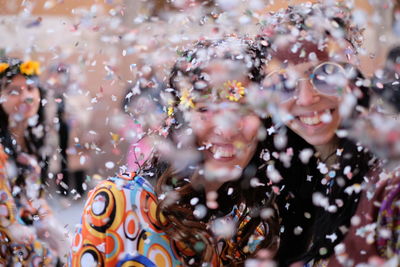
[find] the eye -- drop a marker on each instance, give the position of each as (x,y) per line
(329,78)
(12,91)
(275,82)
(202,109)
(327,70)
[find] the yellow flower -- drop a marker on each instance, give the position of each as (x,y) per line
(235,90)
(186,100)
(30,68)
(170,111)
(3,66)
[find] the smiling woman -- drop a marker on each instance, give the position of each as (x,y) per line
(311,90)
(318,90)
(208,205)
(22,134)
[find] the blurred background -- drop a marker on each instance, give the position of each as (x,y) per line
(97,54)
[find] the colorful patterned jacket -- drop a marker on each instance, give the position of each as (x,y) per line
(119,228)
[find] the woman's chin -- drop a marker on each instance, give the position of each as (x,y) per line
(315,138)
(319,140)
(215,171)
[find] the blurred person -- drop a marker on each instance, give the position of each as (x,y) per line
(373,236)
(19,243)
(22,135)
(139,123)
(57,81)
(71,129)
(208,206)
(319,92)
(375,230)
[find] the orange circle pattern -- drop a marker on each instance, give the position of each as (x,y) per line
(119,219)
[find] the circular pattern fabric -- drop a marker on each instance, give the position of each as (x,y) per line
(119,228)
(88,255)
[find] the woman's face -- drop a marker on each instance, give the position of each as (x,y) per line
(316,90)
(20,98)
(226,134)
(314,115)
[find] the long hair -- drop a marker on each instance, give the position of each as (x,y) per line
(302,188)
(177,218)
(34,134)
(302,220)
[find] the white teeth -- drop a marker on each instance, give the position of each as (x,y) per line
(221,152)
(310,120)
(325,117)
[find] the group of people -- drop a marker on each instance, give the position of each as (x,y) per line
(259,158)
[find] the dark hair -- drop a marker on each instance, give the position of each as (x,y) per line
(302,220)
(180,224)
(34,135)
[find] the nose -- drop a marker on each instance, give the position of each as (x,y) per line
(226,131)
(308,95)
(227,125)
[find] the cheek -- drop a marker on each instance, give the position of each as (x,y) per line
(36,95)
(250,126)
(201,125)
(285,108)
(10,104)
(36,103)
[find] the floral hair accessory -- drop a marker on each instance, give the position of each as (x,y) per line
(3,67)
(186,100)
(9,67)
(30,68)
(233,90)
(170,111)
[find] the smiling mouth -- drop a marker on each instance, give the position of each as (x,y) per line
(222,151)
(24,108)
(317,118)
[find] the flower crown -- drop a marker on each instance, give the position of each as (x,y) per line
(28,68)
(232,91)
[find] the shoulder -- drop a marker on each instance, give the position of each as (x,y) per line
(120,216)
(127,183)
(112,198)
(118,199)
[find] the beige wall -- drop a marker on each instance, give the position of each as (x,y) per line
(52,7)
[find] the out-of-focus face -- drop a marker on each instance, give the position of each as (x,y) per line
(20,98)
(315,115)
(311,92)
(226,132)
(229,138)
